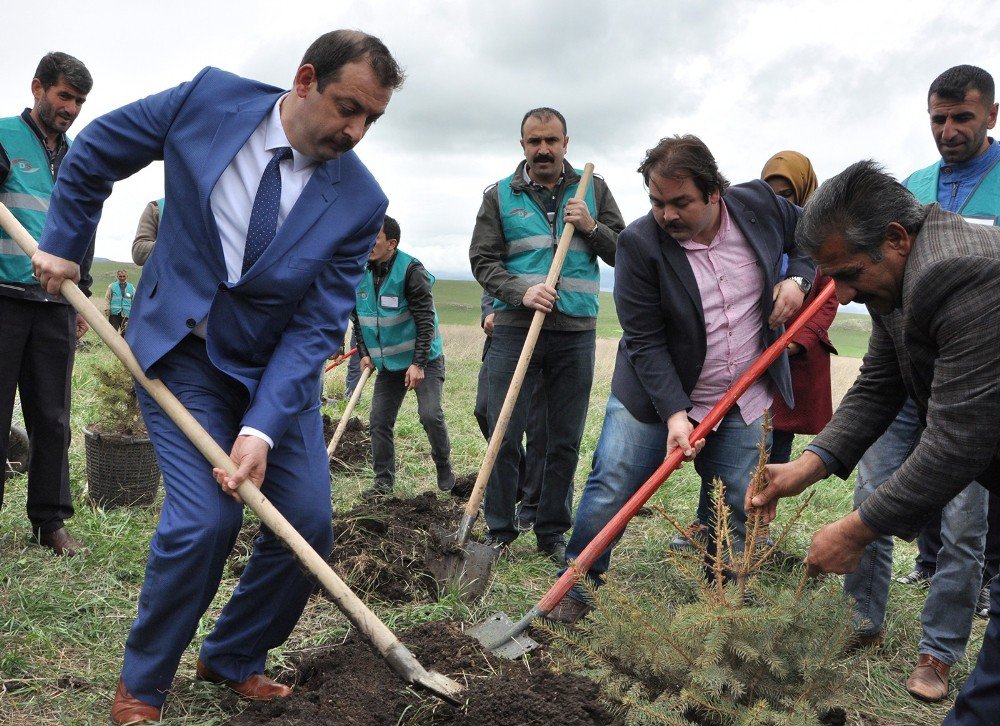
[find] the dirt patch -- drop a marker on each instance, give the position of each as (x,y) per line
(349,684)
(380,547)
(355,447)
(464,485)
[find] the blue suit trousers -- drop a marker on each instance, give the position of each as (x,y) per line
(198,527)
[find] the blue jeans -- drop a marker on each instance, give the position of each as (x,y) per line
(629,451)
(563,366)
(947,615)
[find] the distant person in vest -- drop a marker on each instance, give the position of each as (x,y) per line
(118,301)
(966,181)
(517,229)
(396,328)
(38,330)
(145,233)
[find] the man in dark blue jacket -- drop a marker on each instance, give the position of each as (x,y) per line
(699,299)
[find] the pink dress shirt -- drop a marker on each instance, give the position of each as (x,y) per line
(730,280)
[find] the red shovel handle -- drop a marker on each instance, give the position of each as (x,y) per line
(341,359)
(613,528)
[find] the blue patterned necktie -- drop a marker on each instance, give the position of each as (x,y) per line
(264,215)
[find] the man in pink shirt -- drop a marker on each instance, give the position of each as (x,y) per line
(699,298)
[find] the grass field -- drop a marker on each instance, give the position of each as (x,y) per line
(63,622)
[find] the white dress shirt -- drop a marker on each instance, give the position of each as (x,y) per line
(233,195)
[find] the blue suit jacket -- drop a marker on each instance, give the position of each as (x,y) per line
(663,342)
(273,328)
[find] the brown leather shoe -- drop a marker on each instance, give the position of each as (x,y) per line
(61,542)
(569,611)
(929,680)
(257,687)
(128,709)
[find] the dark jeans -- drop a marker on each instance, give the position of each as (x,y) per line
(781,447)
(118,321)
(37,343)
(978,702)
(386,400)
(531,464)
(562,365)
(353,370)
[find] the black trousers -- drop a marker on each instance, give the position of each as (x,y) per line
(37,343)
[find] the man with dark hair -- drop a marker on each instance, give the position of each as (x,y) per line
(932,286)
(39,329)
(966,181)
(517,230)
(396,329)
(247,291)
(698,299)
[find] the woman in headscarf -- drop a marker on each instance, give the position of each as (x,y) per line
(791,175)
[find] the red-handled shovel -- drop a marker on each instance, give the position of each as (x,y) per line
(505,638)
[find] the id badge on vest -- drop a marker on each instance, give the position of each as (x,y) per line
(390,302)
(983,219)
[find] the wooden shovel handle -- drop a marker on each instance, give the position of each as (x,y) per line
(356,611)
(342,426)
(472,508)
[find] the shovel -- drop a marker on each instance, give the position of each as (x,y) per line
(460,563)
(508,639)
(346,416)
(375,631)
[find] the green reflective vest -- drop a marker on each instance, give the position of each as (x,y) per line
(121,304)
(387,326)
(531,247)
(983,203)
(26,194)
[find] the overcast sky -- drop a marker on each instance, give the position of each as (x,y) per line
(837,81)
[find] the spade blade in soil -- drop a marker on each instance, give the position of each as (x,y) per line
(465,569)
(496,626)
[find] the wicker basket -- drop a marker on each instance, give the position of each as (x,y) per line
(121,470)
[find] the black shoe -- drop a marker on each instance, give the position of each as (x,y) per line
(496,543)
(446,477)
(554,550)
(921,578)
(864,641)
(983,602)
(569,611)
(695,531)
(379,490)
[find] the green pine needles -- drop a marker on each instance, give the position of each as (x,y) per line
(116,405)
(737,638)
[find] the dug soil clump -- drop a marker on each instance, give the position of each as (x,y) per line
(380,546)
(354,448)
(349,684)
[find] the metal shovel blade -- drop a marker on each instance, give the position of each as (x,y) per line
(464,568)
(494,628)
(441,686)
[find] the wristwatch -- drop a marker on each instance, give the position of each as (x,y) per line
(804,285)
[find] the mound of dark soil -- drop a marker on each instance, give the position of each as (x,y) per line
(349,684)
(464,485)
(354,449)
(380,547)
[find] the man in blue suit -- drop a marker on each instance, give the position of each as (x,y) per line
(269,220)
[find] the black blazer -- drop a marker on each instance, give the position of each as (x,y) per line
(663,344)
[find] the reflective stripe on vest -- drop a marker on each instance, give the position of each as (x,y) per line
(984,201)
(26,193)
(531,247)
(387,326)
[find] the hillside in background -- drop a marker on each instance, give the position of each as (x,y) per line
(458,304)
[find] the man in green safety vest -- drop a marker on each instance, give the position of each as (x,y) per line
(517,230)
(397,332)
(39,329)
(118,301)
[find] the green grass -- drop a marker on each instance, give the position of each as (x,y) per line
(63,622)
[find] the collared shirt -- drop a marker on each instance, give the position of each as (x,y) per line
(233,195)
(956,181)
(730,281)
